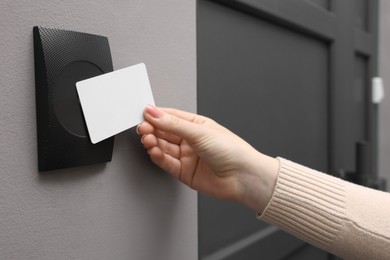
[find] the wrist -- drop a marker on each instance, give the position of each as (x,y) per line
(257,181)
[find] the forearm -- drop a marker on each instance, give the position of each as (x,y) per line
(346,219)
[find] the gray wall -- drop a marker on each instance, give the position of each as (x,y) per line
(384,108)
(126,209)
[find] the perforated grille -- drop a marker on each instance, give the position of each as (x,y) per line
(54,50)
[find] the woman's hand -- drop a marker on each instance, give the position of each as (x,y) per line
(208,157)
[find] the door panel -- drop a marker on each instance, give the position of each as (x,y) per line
(357,109)
(307,253)
(322,3)
(290,77)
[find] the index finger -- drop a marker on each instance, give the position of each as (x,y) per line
(180,113)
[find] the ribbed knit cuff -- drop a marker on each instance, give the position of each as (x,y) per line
(307,204)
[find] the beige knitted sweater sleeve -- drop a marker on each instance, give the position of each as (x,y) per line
(345,219)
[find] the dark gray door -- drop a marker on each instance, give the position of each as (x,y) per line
(292,78)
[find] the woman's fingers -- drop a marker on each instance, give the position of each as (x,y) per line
(150,140)
(173,124)
(165,161)
(146,128)
(168,137)
(181,114)
(198,119)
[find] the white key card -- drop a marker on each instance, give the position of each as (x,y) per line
(115,101)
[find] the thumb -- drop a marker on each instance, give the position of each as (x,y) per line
(185,128)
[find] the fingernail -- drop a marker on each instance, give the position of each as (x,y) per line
(142,139)
(137,129)
(153,111)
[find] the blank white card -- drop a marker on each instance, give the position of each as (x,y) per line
(114,102)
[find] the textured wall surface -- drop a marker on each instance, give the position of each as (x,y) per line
(126,209)
(384,108)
